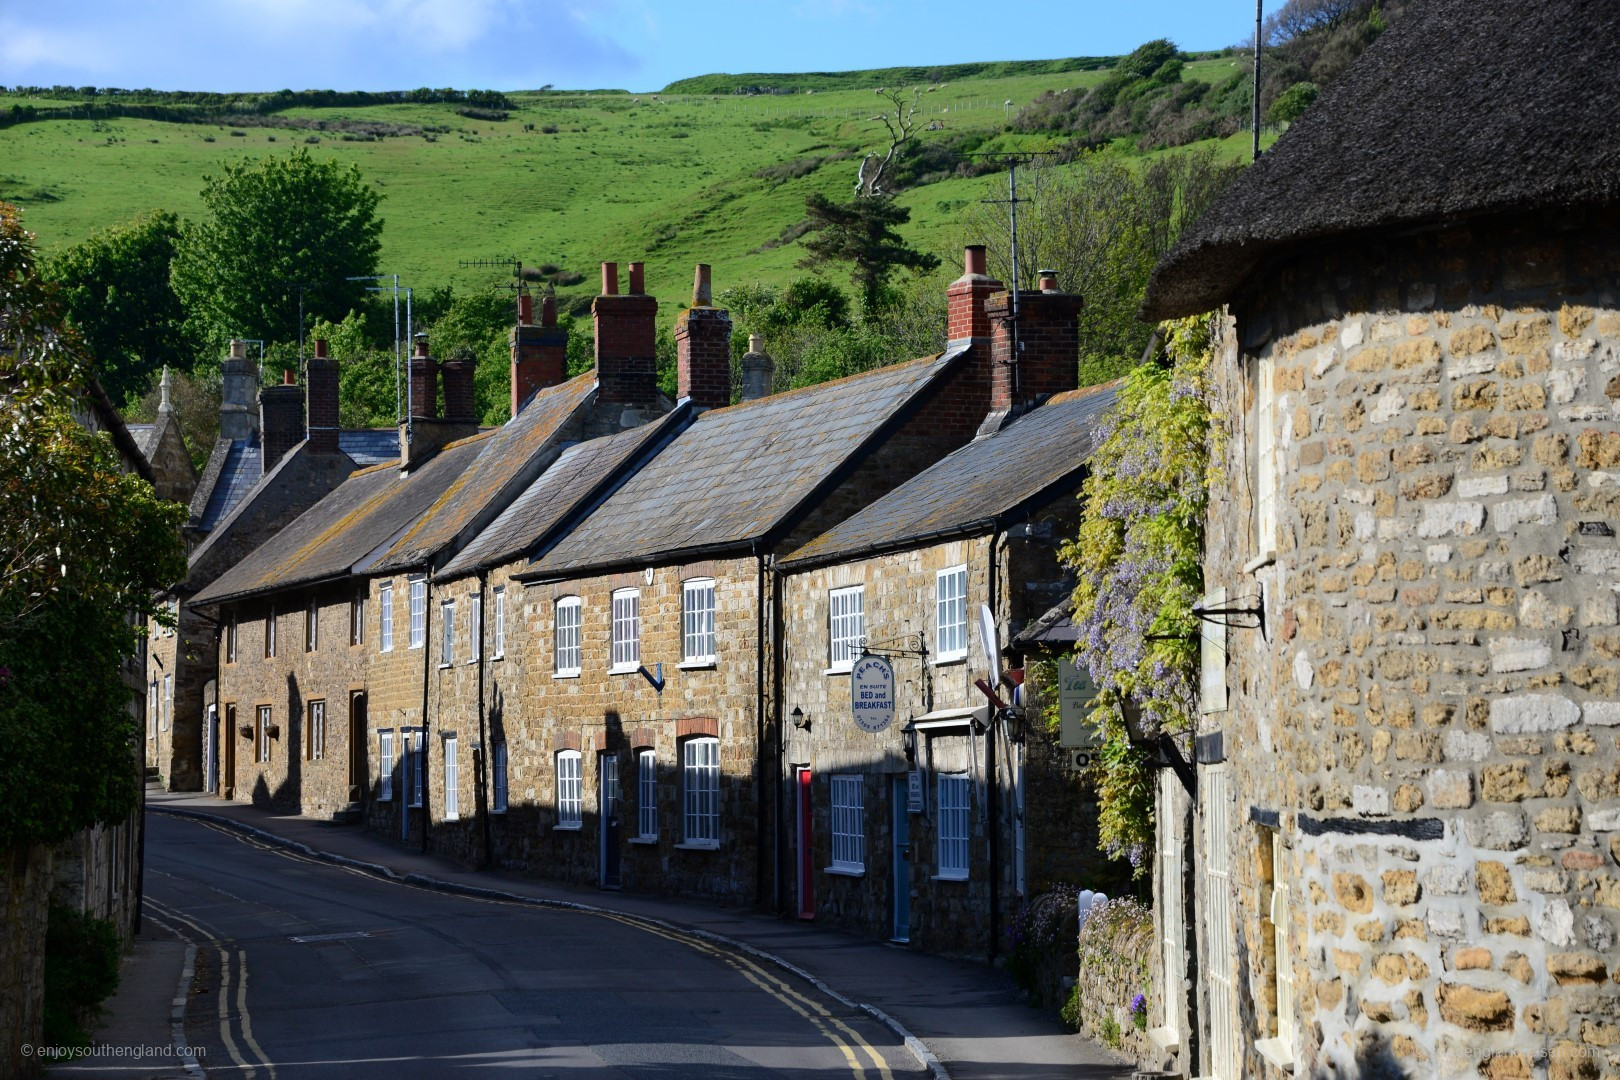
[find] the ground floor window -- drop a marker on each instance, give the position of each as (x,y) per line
(498,768)
(647,795)
(263,733)
(315,737)
(700,789)
(953,825)
(848,824)
(385,766)
(570,803)
(452,780)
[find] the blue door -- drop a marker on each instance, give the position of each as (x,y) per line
(901,860)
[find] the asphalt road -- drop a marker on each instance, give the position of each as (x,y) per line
(306,969)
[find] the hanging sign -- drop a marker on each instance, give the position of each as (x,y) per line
(871,693)
(914,792)
(1075,694)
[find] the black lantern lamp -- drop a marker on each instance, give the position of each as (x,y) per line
(801,722)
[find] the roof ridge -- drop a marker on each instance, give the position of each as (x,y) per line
(820,386)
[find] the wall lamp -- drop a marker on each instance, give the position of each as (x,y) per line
(800,721)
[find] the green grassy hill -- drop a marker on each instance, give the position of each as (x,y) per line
(569,179)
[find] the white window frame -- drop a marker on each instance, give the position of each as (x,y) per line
(265,717)
(647,795)
(500,622)
(846,627)
(847,817)
(166,706)
(357,619)
(955,800)
(626,634)
(385,617)
(315,737)
(475,627)
(568,620)
(1279,1049)
(452,779)
(570,790)
(153,710)
(1216,959)
(1265,456)
(230,640)
(418,611)
(697,621)
(312,627)
(950,615)
(270,634)
(498,771)
(700,792)
(447,632)
(385,765)
(1170,912)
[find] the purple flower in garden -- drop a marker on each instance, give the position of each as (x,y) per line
(1139,1004)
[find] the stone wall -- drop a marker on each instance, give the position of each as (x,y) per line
(1426,725)
(1115,949)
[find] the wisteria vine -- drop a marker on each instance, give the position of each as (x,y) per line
(1138,557)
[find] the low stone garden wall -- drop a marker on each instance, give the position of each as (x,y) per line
(1111,998)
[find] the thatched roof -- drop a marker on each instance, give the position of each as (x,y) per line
(1462,108)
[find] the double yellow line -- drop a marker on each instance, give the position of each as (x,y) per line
(164,915)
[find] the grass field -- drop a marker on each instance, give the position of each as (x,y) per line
(568,179)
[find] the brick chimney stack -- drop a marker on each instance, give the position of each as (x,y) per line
(758,369)
(281,420)
(539,352)
(456,373)
(323,401)
(424,378)
(626,329)
(966,298)
(1048,346)
(703,347)
(238,414)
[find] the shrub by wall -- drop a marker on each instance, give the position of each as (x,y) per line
(1110,1002)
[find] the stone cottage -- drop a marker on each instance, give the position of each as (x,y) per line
(1408,778)
(917,831)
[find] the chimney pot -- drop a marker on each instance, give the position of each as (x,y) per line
(1049,281)
(756,343)
(525,309)
(320,347)
(638,278)
(421,346)
(702,289)
(973,260)
(548,310)
(610,279)
(287,378)
(238,349)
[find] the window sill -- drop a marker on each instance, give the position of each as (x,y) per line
(1165,1038)
(500,810)
(565,675)
(949,877)
(386,799)
(696,665)
(835,670)
(1276,1051)
(471,660)
(622,670)
(1259,562)
(699,845)
(499,656)
(845,871)
(645,841)
(445,666)
(567,828)
(448,818)
(954,658)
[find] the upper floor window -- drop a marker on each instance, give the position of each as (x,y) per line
(950,614)
(500,622)
(569,802)
(230,640)
(567,635)
(418,612)
(357,620)
(270,634)
(385,617)
(447,632)
(626,630)
(1265,455)
(312,627)
(697,620)
(847,626)
(475,626)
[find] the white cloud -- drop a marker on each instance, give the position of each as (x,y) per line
(26,49)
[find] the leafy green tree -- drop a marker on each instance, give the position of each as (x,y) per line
(1292,103)
(278,227)
(862,232)
(114,288)
(86,545)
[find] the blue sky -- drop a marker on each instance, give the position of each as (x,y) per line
(572,44)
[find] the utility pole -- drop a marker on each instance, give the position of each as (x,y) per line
(1256,114)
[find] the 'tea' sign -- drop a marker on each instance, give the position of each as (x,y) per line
(871,693)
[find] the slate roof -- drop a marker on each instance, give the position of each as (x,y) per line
(1463,107)
(341,532)
(239,470)
(1054,628)
(1027,460)
(739,472)
(570,482)
(507,460)
(145,436)
(369,446)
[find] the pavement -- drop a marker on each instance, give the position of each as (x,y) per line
(964,1020)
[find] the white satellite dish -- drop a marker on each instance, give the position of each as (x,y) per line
(987,642)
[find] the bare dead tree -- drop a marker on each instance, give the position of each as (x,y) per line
(900,119)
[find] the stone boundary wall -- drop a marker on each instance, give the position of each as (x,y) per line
(1116,950)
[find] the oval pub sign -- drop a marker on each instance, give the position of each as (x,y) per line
(871,693)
